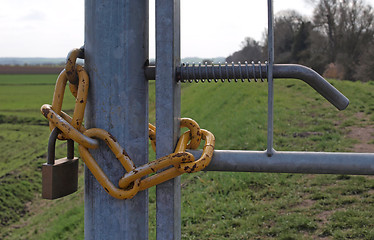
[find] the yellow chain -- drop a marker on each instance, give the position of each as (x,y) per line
(133,181)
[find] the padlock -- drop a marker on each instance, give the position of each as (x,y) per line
(59,177)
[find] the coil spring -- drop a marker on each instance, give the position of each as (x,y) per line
(230,72)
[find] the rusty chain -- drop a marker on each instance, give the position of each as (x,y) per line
(165,168)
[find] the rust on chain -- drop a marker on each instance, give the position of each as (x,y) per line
(180,160)
(70,66)
(67,118)
(73,89)
(154,166)
(113,145)
(205,158)
(58,97)
(152,135)
(195,134)
(135,179)
(183,166)
(81,98)
(159,178)
(131,189)
(67,128)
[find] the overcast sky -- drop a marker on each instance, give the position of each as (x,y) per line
(209,28)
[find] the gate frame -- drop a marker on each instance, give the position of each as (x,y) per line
(116,56)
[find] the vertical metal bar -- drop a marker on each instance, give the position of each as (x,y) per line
(270,149)
(116,49)
(168,199)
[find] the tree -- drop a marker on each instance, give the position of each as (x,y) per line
(324,18)
(301,43)
(286,26)
(292,33)
(365,68)
(340,34)
(250,50)
(348,26)
(315,55)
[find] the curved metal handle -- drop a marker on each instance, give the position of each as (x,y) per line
(316,81)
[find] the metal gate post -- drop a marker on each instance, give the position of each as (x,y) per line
(116,49)
(168,202)
(270,127)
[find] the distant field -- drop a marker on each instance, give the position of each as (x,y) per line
(28,79)
(9,69)
(23,95)
(215,205)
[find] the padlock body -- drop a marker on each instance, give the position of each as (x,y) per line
(59,179)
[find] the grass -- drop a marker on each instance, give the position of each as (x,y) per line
(27,80)
(21,96)
(215,205)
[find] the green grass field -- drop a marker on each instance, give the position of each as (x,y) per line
(215,205)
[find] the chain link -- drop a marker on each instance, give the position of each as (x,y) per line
(81,97)
(99,174)
(135,179)
(185,165)
(194,133)
(152,135)
(70,67)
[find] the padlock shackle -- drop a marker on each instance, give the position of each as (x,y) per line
(52,147)
(70,149)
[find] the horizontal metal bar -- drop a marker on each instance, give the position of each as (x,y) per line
(242,71)
(291,162)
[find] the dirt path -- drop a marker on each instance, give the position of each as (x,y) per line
(364,134)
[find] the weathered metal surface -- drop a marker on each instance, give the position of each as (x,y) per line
(171,160)
(270,122)
(116,50)
(184,162)
(168,202)
(195,132)
(67,128)
(79,92)
(99,174)
(291,162)
(71,60)
(201,162)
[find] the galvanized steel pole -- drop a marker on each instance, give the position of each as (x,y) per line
(168,195)
(270,79)
(116,49)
